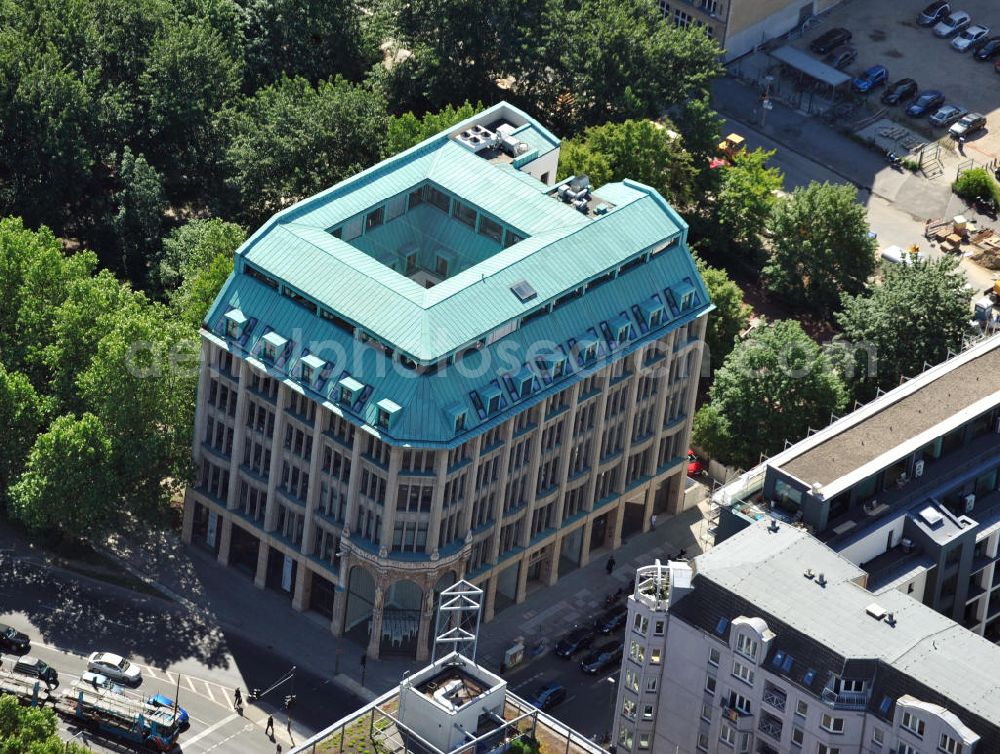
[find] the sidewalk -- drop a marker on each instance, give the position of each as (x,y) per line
(228,599)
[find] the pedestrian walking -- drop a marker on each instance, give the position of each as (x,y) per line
(652,522)
(269,728)
(238,700)
(277,749)
(961,145)
(611,564)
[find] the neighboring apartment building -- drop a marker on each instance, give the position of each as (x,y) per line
(905,487)
(452,706)
(741,25)
(770,644)
(447,366)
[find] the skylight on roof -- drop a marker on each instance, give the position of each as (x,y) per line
(524,291)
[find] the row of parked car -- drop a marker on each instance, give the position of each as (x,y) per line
(957,25)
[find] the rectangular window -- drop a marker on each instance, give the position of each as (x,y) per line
(647,712)
(706,712)
(746,646)
(906,749)
(490,228)
(654,657)
(727,734)
(878,736)
(374,218)
(702,742)
(436,198)
(949,744)
(710,685)
(743,672)
(798,736)
(832,724)
(464,214)
(913,724)
(713,657)
(801,708)
(824,749)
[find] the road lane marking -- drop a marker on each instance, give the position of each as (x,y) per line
(209,690)
(209,730)
(190,684)
(171,677)
(224,741)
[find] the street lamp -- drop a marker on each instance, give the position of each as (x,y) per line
(611,722)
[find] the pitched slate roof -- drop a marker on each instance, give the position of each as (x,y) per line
(759,572)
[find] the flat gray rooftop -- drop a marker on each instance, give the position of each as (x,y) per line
(899,421)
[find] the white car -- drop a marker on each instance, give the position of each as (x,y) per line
(947,115)
(951,24)
(115,667)
(965,41)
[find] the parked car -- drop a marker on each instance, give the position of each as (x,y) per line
(899,92)
(968,38)
(969,124)
(611,620)
(115,666)
(601,657)
(574,641)
(952,24)
(695,467)
(548,696)
(947,115)
(872,77)
(12,640)
(101,681)
(987,49)
(35,668)
(842,57)
(926,102)
(829,40)
(933,13)
(165,702)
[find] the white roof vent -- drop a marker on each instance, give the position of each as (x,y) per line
(930,516)
(476,138)
(876,611)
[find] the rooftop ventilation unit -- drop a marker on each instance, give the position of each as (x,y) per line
(523,290)
(476,138)
(821,580)
(876,611)
(511,146)
(930,516)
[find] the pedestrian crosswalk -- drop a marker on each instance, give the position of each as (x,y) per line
(214,692)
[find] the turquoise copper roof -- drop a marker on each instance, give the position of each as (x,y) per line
(561,249)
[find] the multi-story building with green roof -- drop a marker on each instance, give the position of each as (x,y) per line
(447,366)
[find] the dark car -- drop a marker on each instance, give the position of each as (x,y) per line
(842,57)
(548,696)
(611,620)
(926,102)
(574,641)
(899,92)
(874,76)
(32,666)
(830,40)
(601,657)
(933,13)
(12,640)
(988,49)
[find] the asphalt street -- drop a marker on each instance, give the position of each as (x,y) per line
(67,617)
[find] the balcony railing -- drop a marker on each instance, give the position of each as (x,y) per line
(776,698)
(770,726)
(847,700)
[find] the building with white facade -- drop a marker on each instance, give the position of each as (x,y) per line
(770,643)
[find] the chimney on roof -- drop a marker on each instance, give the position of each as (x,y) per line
(821,580)
(774,525)
(890,618)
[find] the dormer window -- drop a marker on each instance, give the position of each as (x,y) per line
(652,312)
(311,367)
(621,328)
(586,349)
(386,412)
(913,724)
(274,345)
(235,320)
(460,422)
(746,646)
(490,396)
(555,365)
(349,389)
(456,414)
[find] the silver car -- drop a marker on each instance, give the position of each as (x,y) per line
(968,38)
(952,24)
(947,115)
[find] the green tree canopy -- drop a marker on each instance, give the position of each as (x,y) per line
(745,200)
(407,129)
(22,416)
(642,150)
(192,247)
(730,317)
(31,730)
(189,76)
(68,484)
(291,140)
(821,249)
(195,296)
(140,203)
(915,316)
(773,387)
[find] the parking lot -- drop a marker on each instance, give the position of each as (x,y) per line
(887,34)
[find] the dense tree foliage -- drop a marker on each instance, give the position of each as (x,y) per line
(648,152)
(773,387)
(730,317)
(821,248)
(139,207)
(293,139)
(914,317)
(407,129)
(31,730)
(746,198)
(22,415)
(192,247)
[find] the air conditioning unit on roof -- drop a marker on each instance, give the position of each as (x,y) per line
(970,503)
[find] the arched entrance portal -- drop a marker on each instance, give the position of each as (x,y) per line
(360,601)
(401,618)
